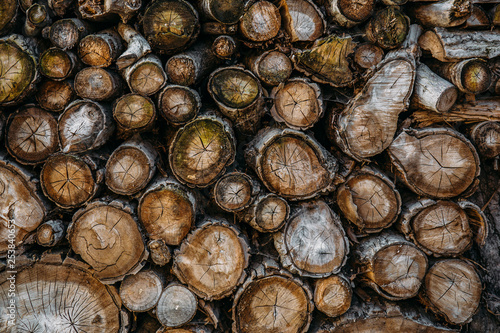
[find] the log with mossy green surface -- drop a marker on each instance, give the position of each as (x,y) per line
(58,65)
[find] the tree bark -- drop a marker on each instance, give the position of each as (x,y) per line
(302,20)
(177,305)
(137,46)
(271,67)
(444,13)
(58,65)
(142,291)
(66,33)
(100,49)
(60,7)
(332,295)
(50,233)
(267,213)
(133,114)
(178,104)
(98,84)
(261,22)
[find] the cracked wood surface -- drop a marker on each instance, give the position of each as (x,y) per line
(55,95)
(177,305)
(179,104)
(142,291)
(332,295)
(268,213)
(100,49)
(146,76)
(134,113)
(302,20)
(235,191)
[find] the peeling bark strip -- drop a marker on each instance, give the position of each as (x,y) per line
(302,20)
(391,265)
(142,291)
(68,289)
(31,135)
(332,295)
(313,243)
(55,95)
(436,162)
(261,22)
(452,289)
(235,191)
(177,305)
(369,199)
(107,237)
(179,104)
(212,259)
(268,213)
(100,49)
(134,113)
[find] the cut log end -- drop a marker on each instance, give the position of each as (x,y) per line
(57,64)
(234,191)
(384,35)
(302,20)
(142,291)
(177,306)
(146,76)
(486,137)
(235,88)
(273,68)
(332,295)
(268,213)
(224,46)
(134,113)
(97,84)
(55,95)
(50,233)
(261,22)
(179,104)
(368,55)
(100,49)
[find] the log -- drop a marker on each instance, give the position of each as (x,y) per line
(159,252)
(60,7)
(106,235)
(217,28)
(388,36)
(178,104)
(478,222)
(201,150)
(97,84)
(452,289)
(8,16)
(18,69)
(438,163)
(137,46)
(100,49)
(348,13)
(103,10)
(177,305)
(313,242)
(271,67)
(431,92)
(495,15)
(238,95)
(390,265)
(224,47)
(70,181)
(224,11)
(133,114)
(332,295)
(66,33)
(146,76)
(235,191)
(369,200)
(21,206)
(302,20)
(444,13)
(167,210)
(267,213)
(142,291)
(84,125)
(291,164)
(298,103)
(486,138)
(131,166)
(31,135)
(50,233)
(37,17)
(55,95)
(455,45)
(193,328)
(261,22)
(58,65)
(212,259)
(368,55)
(478,19)
(170,26)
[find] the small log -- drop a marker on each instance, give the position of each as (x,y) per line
(177,305)
(435,162)
(31,135)
(170,26)
(100,49)
(212,259)
(348,13)
(369,200)
(37,17)
(179,104)
(60,7)
(224,11)
(368,55)
(302,20)
(107,237)
(478,19)
(201,150)
(133,113)
(455,45)
(486,138)
(326,62)
(471,76)
(55,95)
(50,233)
(131,166)
(146,76)
(452,289)
(25,214)
(18,69)
(268,213)
(84,125)
(261,22)
(271,67)
(8,16)
(69,181)
(235,191)
(224,47)
(388,36)
(444,13)
(104,10)
(167,210)
(142,291)
(313,242)
(159,252)
(58,65)
(66,33)
(332,295)
(431,92)
(298,103)
(291,163)
(97,84)
(390,265)
(137,46)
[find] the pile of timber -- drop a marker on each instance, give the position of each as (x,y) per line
(249,166)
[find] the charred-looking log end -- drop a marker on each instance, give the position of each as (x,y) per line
(140,292)
(333,295)
(181,70)
(388,28)
(179,104)
(234,191)
(177,305)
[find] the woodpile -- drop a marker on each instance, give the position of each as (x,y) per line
(253,166)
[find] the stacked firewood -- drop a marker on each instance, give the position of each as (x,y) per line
(250,166)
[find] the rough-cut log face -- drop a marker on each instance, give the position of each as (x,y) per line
(19,203)
(167,213)
(31,135)
(179,104)
(67,180)
(303,21)
(439,163)
(140,292)
(99,49)
(356,11)
(227,11)
(170,25)
(200,151)
(486,138)
(452,289)
(96,83)
(212,260)
(147,76)
(56,64)
(234,191)
(475,76)
(332,295)
(17,71)
(262,21)
(55,95)
(134,112)
(108,239)
(273,304)
(8,10)
(368,55)
(177,306)
(235,88)
(159,252)
(313,242)
(78,301)
(66,33)
(384,34)
(274,68)
(272,212)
